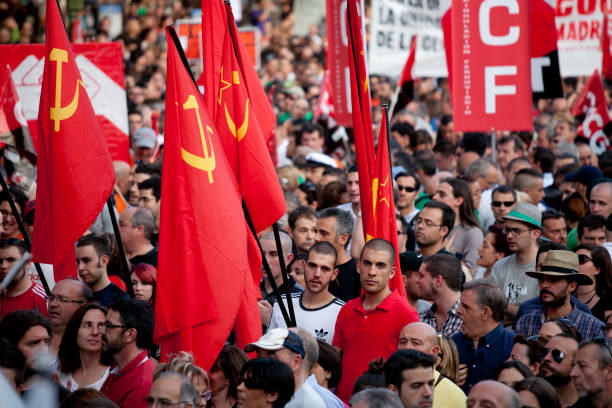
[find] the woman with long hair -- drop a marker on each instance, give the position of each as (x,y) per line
(81,361)
(493,248)
(595,262)
(466,236)
(144,281)
(224,377)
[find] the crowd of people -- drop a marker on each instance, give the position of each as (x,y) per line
(504,244)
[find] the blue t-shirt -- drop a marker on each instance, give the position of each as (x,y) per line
(107,295)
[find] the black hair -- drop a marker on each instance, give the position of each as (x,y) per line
(302,211)
(447,266)
(15,324)
(372,378)
(532,348)
(405,360)
(504,190)
(98,241)
(417,183)
(591,221)
(426,161)
(13,359)
(544,392)
(331,362)
(153,183)
(272,376)
(545,157)
(448,215)
(474,142)
(136,314)
(147,168)
(517,365)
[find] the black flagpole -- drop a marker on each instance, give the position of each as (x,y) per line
(122,256)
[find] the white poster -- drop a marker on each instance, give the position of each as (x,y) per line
(394,23)
(579,29)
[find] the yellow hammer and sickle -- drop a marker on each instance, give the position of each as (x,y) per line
(59,112)
(207,162)
(242,130)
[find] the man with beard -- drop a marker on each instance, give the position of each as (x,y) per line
(592,373)
(129,330)
(556,366)
(557,279)
(315,309)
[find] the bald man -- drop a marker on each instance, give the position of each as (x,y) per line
(493,394)
(422,337)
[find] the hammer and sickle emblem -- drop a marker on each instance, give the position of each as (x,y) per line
(59,112)
(207,162)
(241,131)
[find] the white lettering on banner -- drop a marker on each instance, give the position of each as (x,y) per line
(393,25)
(484,25)
(537,76)
(467,72)
(492,90)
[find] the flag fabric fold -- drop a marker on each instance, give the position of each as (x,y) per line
(242,113)
(203,266)
(75,172)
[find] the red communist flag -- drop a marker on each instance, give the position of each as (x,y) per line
(242,113)
(203,264)
(75,172)
(362,116)
(382,224)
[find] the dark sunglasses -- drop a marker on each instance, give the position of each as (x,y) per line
(505,203)
(557,355)
(406,188)
(582,259)
(251,383)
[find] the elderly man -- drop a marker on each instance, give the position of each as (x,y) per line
(171,389)
(493,394)
(592,373)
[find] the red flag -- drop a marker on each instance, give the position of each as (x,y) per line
(405,86)
(10,108)
(325,104)
(362,116)
(382,223)
(591,97)
(75,171)
(545,72)
(203,266)
(242,113)
(606,47)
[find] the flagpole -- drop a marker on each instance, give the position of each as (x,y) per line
(281,259)
(26,237)
(266,266)
(122,256)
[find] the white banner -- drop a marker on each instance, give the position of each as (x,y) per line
(394,23)
(579,27)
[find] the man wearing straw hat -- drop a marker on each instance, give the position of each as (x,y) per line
(557,279)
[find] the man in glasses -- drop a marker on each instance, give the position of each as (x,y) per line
(523,226)
(592,373)
(557,278)
(556,364)
(129,331)
(432,225)
(503,199)
(172,389)
(408,186)
(22,292)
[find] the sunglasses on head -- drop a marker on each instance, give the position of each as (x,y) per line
(408,189)
(505,203)
(557,355)
(582,259)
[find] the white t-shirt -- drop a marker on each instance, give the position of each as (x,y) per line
(320,322)
(510,276)
(66,378)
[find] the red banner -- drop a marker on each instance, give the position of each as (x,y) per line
(337,61)
(100,65)
(606,48)
(491,65)
(590,98)
(591,104)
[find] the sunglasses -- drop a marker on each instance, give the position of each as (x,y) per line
(557,355)
(251,383)
(505,203)
(408,189)
(582,259)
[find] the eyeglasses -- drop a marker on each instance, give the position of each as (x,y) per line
(582,259)
(407,189)
(251,383)
(162,402)
(515,231)
(556,354)
(428,223)
(114,326)
(505,203)
(50,299)
(205,396)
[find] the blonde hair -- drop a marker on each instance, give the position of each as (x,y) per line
(449,358)
(182,363)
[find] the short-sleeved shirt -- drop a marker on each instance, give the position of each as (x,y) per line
(320,322)
(465,244)
(366,335)
(129,386)
(108,295)
(510,276)
(31,299)
(453,322)
(588,325)
(493,349)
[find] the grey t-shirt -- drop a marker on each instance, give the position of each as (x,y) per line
(466,243)
(510,275)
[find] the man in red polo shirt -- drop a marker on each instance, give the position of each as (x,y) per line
(129,330)
(368,327)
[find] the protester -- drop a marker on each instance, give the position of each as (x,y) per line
(432,227)
(410,263)
(595,262)
(503,199)
(409,373)
(137,228)
(172,388)
(183,364)
(144,278)
(591,373)
(494,394)
(149,196)
(266,383)
(387,314)
(511,372)
(12,365)
(537,393)
(81,363)
(225,376)
(27,330)
(557,362)
(493,248)
(527,352)
(302,228)
(376,397)
(328,367)
(554,226)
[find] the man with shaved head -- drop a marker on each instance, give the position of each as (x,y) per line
(422,337)
(493,394)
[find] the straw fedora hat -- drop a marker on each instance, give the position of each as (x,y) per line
(563,264)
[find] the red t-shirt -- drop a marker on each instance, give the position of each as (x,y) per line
(31,299)
(129,387)
(364,336)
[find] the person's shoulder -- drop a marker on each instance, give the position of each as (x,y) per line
(311,397)
(117,290)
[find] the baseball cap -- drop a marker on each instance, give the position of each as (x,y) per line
(410,261)
(276,339)
(585,175)
(145,137)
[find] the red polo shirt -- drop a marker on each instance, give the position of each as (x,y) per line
(130,386)
(364,336)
